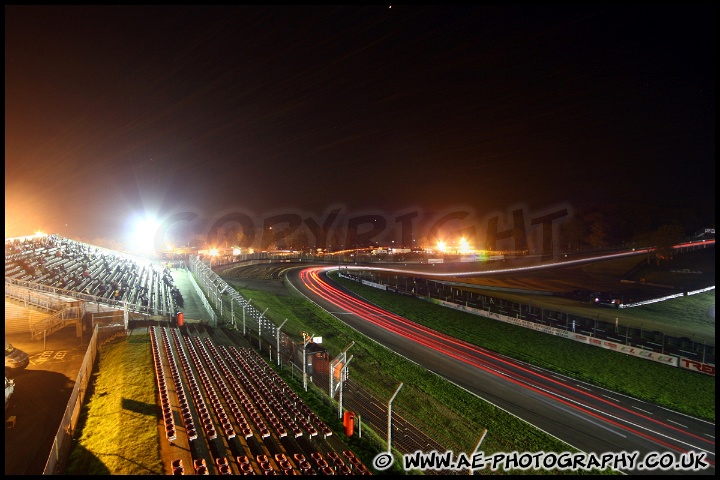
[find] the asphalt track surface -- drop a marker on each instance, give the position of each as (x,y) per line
(589,418)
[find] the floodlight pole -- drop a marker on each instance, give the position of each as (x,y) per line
(389,422)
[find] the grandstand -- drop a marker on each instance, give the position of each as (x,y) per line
(78,271)
(243,409)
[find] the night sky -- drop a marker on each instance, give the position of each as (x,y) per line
(112,111)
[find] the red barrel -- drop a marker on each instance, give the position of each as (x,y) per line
(349,423)
(180,319)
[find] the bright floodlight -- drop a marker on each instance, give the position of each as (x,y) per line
(143,234)
(441,246)
(464,246)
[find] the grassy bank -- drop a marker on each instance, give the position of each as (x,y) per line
(119,424)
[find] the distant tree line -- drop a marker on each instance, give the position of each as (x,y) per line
(597,227)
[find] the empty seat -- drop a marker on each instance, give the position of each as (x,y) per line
(265,467)
(200,467)
(305,467)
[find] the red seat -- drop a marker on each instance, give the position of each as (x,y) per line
(306,469)
(266,467)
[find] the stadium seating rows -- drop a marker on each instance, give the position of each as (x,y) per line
(228,386)
(93,273)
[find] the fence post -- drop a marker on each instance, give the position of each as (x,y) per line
(306,340)
(482,437)
(389,422)
(278,341)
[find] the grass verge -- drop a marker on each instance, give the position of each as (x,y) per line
(119,423)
